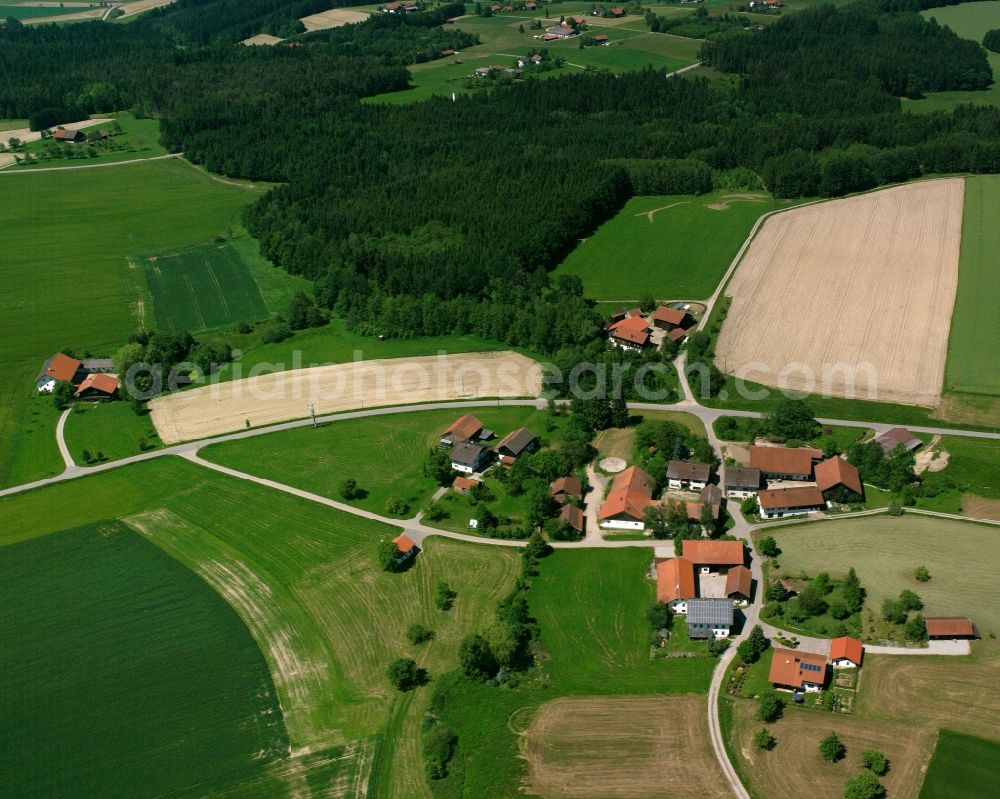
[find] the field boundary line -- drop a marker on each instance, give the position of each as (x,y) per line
(8,171)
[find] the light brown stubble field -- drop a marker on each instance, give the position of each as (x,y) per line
(282,396)
(333,18)
(864,280)
(623,748)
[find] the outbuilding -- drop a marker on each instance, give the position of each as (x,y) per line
(709,618)
(740,483)
(846,653)
(782,463)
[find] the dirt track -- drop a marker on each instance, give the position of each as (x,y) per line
(622,748)
(281,396)
(864,280)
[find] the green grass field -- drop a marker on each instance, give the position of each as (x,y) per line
(681,254)
(139,138)
(304,580)
(962,767)
(202,288)
(385,454)
(885,551)
(975,324)
(125,674)
(970,21)
(501,42)
(111,428)
(71,285)
(33,12)
(590,606)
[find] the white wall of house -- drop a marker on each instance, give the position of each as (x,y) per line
(844,663)
(811,687)
(678,606)
(623,523)
(461,467)
(739,493)
(45,386)
(778,513)
(720,632)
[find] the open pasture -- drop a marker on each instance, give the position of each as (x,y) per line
(69,284)
(201,288)
(111,428)
(277,397)
(794,767)
(384,454)
(305,582)
(885,550)
(590,605)
(676,247)
(850,295)
(622,748)
(125,674)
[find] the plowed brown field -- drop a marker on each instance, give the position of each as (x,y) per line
(864,285)
(623,748)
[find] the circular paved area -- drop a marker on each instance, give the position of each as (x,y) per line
(613,465)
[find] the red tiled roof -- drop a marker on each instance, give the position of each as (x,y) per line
(739,581)
(464,483)
(573,516)
(694,510)
(836,471)
(781,460)
(676,333)
(625,503)
(106,384)
(944,626)
(672,316)
(569,485)
(846,649)
(713,553)
(632,329)
(675,580)
(633,478)
(798,497)
(61,367)
(465,427)
(403,543)
(786,668)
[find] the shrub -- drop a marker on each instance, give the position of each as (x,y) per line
(717,646)
(276,333)
(921,574)
(444,596)
(915,629)
(895,507)
(405,674)
(769,547)
(753,646)
(386,555)
(764,739)
(419,634)
(439,746)
(908,600)
(832,748)
(748,507)
(62,394)
(893,612)
(396,506)
(771,706)
(476,658)
(991,40)
(348,488)
(875,761)
(658,616)
(244,327)
(87,457)
(772,610)
(864,786)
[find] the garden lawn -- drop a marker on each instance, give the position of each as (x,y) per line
(92,299)
(125,674)
(975,325)
(384,454)
(110,428)
(590,605)
(962,766)
(139,138)
(885,551)
(305,581)
(676,247)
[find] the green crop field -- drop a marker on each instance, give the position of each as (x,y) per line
(590,606)
(676,247)
(33,12)
(975,324)
(970,21)
(304,580)
(886,550)
(384,454)
(125,674)
(71,284)
(201,288)
(962,767)
(110,428)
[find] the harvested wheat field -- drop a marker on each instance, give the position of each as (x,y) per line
(794,767)
(333,18)
(262,39)
(863,285)
(281,396)
(622,747)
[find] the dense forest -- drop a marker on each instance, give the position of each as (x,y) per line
(446,216)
